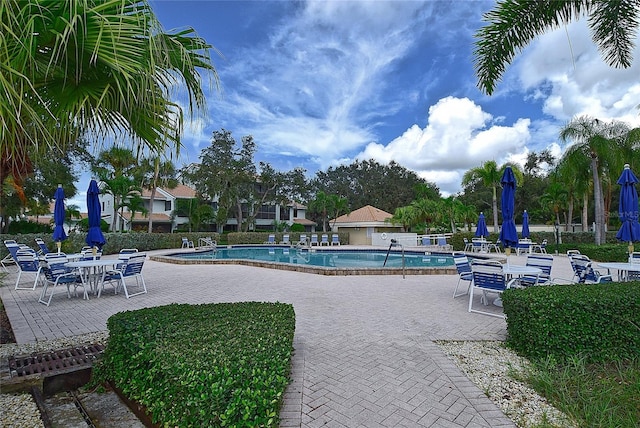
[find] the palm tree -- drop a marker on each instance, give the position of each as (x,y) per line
(555,197)
(403,216)
(574,170)
(597,140)
(428,211)
(490,175)
(514,24)
(92,67)
(157,174)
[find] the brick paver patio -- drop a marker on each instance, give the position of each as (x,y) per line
(364,351)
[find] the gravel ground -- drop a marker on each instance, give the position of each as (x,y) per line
(486,363)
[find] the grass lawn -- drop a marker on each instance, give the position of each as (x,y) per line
(594,395)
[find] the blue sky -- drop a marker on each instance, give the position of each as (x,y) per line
(322,83)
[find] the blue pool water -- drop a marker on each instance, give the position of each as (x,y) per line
(324,258)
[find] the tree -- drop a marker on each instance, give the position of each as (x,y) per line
(490,175)
(556,198)
(156,173)
(514,24)
(92,67)
(427,211)
(598,141)
(117,168)
(198,213)
(369,183)
(405,217)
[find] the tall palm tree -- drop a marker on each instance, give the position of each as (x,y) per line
(555,197)
(404,216)
(489,175)
(514,24)
(94,68)
(156,173)
(574,169)
(428,211)
(597,140)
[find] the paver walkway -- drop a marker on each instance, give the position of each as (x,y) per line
(364,351)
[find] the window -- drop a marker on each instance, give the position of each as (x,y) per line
(167,205)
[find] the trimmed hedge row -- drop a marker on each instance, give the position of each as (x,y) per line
(600,322)
(221,364)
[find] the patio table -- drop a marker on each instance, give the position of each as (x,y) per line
(622,269)
(99,268)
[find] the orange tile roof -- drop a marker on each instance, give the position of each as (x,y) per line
(180,191)
(364,215)
(144,218)
(304,221)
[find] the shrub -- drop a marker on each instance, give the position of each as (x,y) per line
(221,364)
(600,322)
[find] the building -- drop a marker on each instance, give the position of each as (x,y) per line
(362,223)
(166,219)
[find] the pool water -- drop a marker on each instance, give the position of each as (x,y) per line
(324,258)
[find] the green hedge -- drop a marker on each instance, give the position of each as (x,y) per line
(115,241)
(210,365)
(600,322)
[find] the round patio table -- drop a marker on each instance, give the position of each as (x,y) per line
(622,268)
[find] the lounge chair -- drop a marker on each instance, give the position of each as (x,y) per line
(314,240)
(271,239)
(443,244)
(285,240)
(132,269)
(55,272)
(187,244)
(464,272)
(43,246)
(10,259)
(303,240)
(27,262)
(335,239)
(488,277)
(324,240)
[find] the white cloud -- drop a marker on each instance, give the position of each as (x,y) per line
(566,69)
(459,136)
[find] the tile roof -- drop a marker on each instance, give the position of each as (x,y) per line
(145,218)
(180,191)
(363,215)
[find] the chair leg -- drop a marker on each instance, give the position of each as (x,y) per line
(455,292)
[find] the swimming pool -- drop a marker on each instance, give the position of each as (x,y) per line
(328,262)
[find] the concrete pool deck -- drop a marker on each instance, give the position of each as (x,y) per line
(364,345)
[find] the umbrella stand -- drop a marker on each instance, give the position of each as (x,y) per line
(58,244)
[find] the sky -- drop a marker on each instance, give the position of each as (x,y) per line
(323,83)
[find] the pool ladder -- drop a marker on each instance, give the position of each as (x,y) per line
(394,243)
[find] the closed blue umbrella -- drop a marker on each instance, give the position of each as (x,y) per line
(59,234)
(481,227)
(628,208)
(525,224)
(508,233)
(95,238)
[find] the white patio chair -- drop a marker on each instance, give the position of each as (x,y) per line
(464,272)
(543,262)
(335,239)
(28,263)
(488,277)
(55,272)
(186,243)
(324,240)
(130,269)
